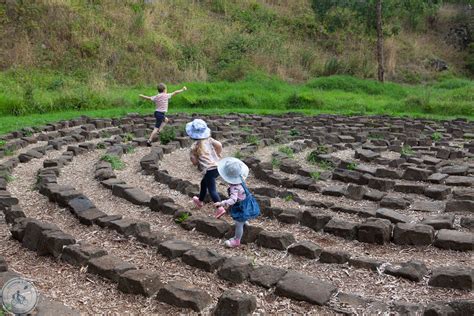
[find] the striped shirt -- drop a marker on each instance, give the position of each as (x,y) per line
(161,101)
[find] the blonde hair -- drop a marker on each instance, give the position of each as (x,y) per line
(199,149)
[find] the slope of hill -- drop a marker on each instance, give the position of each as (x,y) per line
(135,41)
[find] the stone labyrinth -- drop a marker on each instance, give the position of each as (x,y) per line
(360,215)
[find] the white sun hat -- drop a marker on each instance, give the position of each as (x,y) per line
(197,129)
(232,170)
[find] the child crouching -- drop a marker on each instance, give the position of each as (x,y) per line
(243,205)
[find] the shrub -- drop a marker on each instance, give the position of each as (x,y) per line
(115,161)
(167,135)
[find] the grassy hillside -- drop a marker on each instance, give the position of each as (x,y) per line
(138,42)
(55,97)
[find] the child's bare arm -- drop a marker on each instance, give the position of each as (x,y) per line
(178,91)
(217,147)
(145,97)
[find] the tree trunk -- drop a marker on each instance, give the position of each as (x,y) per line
(380,41)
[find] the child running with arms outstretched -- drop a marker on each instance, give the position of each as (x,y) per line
(161,101)
(205,153)
(243,205)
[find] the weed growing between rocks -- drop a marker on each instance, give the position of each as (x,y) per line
(316,175)
(116,162)
(287,151)
(252,139)
(407,150)
(436,136)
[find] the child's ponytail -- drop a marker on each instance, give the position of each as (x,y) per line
(199,150)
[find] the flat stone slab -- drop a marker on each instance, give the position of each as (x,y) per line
(413,234)
(235,269)
(453,278)
(235,303)
(185,295)
(90,216)
(454,240)
(174,248)
(460,206)
(412,270)
(79,254)
(344,229)
(3,265)
(444,221)
(129,227)
(392,216)
(210,225)
(266,276)
(137,196)
(275,240)
(365,263)
(141,282)
(314,219)
(306,249)
(304,288)
(334,257)
(206,259)
(428,206)
(375,231)
(463,194)
(109,267)
(460,181)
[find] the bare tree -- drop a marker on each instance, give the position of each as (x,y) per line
(380,41)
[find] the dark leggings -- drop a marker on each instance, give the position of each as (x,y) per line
(208,182)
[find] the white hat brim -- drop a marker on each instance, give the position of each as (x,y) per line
(196,135)
(230,179)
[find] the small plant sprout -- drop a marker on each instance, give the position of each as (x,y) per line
(115,161)
(238,155)
(181,218)
(325,165)
(128,137)
(8,152)
(287,151)
(289,198)
(407,150)
(276,163)
(351,166)
(316,175)
(130,150)
(2,143)
(101,146)
(246,129)
(294,132)
(436,136)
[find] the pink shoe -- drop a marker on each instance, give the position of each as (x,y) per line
(197,202)
(232,243)
(219,212)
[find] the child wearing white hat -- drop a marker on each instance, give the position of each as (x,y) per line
(205,153)
(241,202)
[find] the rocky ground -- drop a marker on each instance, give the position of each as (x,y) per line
(359,215)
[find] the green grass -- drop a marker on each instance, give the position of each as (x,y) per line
(238,155)
(289,198)
(436,136)
(257,94)
(252,139)
(316,175)
(287,151)
(181,218)
(407,150)
(116,162)
(2,143)
(276,162)
(352,166)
